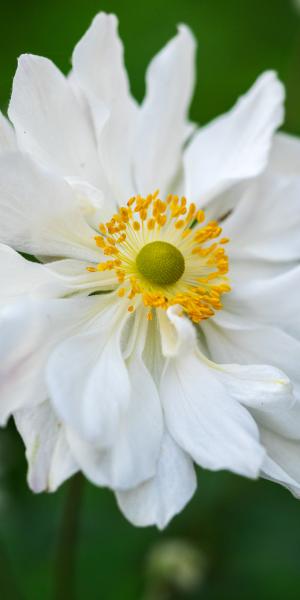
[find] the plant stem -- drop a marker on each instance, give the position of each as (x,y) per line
(8,584)
(65,573)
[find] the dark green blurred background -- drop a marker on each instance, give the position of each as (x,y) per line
(247,533)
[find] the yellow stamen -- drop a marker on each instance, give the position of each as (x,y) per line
(164,252)
(200,216)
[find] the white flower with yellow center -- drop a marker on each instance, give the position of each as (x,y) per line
(107,348)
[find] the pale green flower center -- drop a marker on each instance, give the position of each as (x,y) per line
(160,262)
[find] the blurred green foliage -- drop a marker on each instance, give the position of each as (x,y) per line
(248,532)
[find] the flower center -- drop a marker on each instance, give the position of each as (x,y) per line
(163,253)
(160,262)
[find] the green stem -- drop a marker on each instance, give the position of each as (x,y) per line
(8,584)
(65,588)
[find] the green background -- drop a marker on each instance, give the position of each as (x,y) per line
(248,533)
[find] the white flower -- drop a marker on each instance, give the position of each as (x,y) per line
(107,348)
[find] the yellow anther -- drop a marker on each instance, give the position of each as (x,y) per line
(161,220)
(102,267)
(148,201)
(102,228)
(151,224)
(121,239)
(110,250)
(120,275)
(200,216)
(111,241)
(186,233)
(100,241)
(179,224)
(143,214)
(136,225)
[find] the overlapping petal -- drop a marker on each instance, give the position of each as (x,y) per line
(265,225)
(156,501)
(74,277)
(133,455)
(7,136)
(285,155)
(39,214)
(282,463)
(50,122)
(49,458)
(29,330)
(162,125)
(232,338)
(205,419)
(23,277)
(99,70)
(87,376)
(271,301)
(236,145)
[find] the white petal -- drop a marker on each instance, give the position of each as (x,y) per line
(134,453)
(252,269)
(98,61)
(7,135)
(38,213)
(202,416)
(19,384)
(73,276)
(266,391)
(91,201)
(255,298)
(50,122)
(49,459)
(152,356)
(99,69)
(57,278)
(282,421)
(236,145)
(163,117)
(285,155)
(87,376)
(158,500)
(256,386)
(265,224)
(273,404)
(20,276)
(282,463)
(28,331)
(88,195)
(233,339)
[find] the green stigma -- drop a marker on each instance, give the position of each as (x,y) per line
(160,262)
